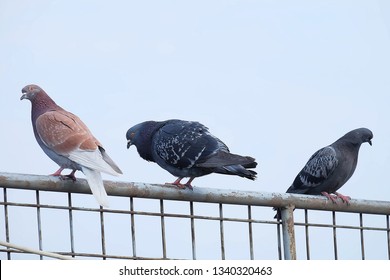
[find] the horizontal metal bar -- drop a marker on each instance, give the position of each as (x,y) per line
(90,255)
(143,213)
(341,226)
(143,190)
(187,216)
(25,249)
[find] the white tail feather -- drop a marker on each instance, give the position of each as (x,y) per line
(93,160)
(95,183)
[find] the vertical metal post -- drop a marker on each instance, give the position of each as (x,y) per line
(193,230)
(334,235)
(164,245)
(71,232)
(102,232)
(132,225)
(250,232)
(307,235)
(288,233)
(388,236)
(39,223)
(278,232)
(6,221)
(361,235)
(221,232)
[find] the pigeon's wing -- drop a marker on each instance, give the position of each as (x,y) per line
(64,132)
(68,136)
(183,144)
(319,167)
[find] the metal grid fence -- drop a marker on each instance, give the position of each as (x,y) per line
(43,217)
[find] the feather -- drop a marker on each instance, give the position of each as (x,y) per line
(95,183)
(93,160)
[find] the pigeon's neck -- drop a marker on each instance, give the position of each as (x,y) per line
(348,145)
(42,104)
(145,151)
(146,136)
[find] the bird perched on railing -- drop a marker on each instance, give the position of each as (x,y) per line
(187,149)
(331,167)
(68,142)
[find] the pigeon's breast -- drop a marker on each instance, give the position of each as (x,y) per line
(337,179)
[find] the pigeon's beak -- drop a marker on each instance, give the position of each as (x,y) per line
(24,94)
(370,142)
(129,143)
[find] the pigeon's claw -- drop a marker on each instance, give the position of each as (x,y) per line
(344,198)
(57,173)
(180,185)
(177,183)
(331,197)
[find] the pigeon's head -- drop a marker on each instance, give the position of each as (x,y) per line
(30,92)
(130,136)
(141,136)
(360,136)
(133,135)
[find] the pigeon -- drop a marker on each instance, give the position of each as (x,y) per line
(67,141)
(187,149)
(330,168)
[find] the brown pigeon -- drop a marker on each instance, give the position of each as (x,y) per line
(68,142)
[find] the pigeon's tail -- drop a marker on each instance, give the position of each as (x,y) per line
(95,182)
(250,165)
(223,158)
(238,170)
(110,162)
(278,214)
(231,164)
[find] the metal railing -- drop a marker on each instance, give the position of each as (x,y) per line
(162,222)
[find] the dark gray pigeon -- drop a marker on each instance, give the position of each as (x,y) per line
(187,149)
(331,167)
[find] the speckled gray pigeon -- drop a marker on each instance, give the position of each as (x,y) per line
(187,149)
(67,141)
(331,167)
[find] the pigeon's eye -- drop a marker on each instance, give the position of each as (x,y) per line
(132,135)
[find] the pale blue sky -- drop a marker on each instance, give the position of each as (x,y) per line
(275,80)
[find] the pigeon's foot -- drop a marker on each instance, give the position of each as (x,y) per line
(344,198)
(57,173)
(188,184)
(331,197)
(67,177)
(71,176)
(177,183)
(180,185)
